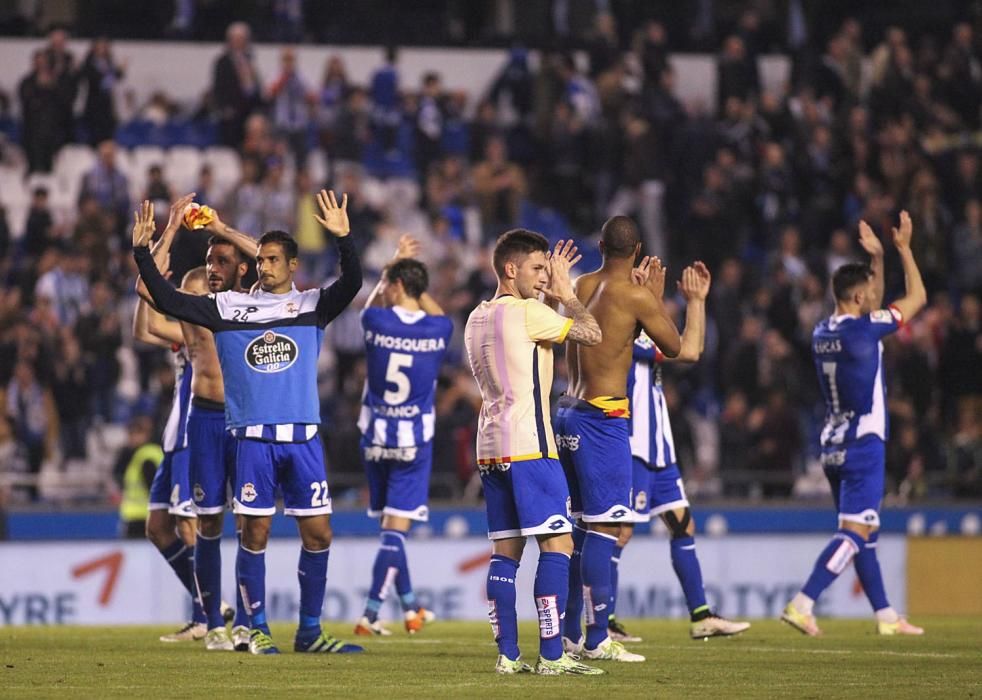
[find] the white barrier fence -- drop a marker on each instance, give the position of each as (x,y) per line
(116,582)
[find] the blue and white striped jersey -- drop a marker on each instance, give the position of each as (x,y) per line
(175,435)
(849,361)
(404,351)
(267,346)
(651,431)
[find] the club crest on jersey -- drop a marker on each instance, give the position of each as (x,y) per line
(271,352)
(199,493)
(248,492)
(291,308)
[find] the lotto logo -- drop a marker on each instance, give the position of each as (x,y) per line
(619,513)
(557,524)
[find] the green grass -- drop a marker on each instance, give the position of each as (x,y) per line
(453,660)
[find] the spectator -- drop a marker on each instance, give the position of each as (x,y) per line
(429,121)
(499,186)
(235,84)
(132,475)
(41,97)
(100,74)
(64,282)
(967,245)
(39,231)
(70,389)
(100,334)
(109,187)
(292,104)
(31,408)
(157,189)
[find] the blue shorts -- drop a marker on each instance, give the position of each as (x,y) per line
(526,498)
(856,474)
(212,459)
(596,454)
(398,480)
(656,490)
(296,468)
(171,487)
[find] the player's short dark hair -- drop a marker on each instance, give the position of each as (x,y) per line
(219,240)
(620,237)
(413,275)
(285,241)
(195,274)
(848,277)
(515,243)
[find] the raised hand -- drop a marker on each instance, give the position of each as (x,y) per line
(639,274)
(869,241)
(656,278)
(561,259)
(175,218)
(902,236)
(408,247)
(333,217)
(695,282)
(143,225)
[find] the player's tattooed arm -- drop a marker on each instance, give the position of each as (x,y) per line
(585,329)
(871,244)
(915,296)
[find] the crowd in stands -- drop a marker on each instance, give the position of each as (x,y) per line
(766,187)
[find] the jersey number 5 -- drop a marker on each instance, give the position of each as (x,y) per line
(394,375)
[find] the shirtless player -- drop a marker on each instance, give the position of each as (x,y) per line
(592,428)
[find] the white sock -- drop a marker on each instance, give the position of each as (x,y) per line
(803,603)
(887,615)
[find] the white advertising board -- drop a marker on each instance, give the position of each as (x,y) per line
(127,582)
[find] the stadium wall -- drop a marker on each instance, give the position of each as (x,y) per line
(184,70)
(944,575)
(115,582)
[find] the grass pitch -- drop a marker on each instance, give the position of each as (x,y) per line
(456,659)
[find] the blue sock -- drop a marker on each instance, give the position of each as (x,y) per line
(312,574)
(390,558)
(241,613)
(208,571)
(551,591)
(689,573)
(181,559)
(252,582)
(595,564)
(404,584)
(501,604)
(615,561)
(833,560)
(574,601)
(868,571)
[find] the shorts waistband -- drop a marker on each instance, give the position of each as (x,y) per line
(207,404)
(610,406)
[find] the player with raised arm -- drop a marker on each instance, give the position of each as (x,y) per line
(406,338)
(658,489)
(171,525)
(211,446)
(848,356)
(268,341)
(509,347)
(592,428)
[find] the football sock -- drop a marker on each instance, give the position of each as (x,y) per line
(868,570)
(312,575)
(574,600)
(404,584)
(833,560)
(689,573)
(208,571)
(181,559)
(252,582)
(385,571)
(615,561)
(241,613)
(595,566)
(551,590)
(501,604)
